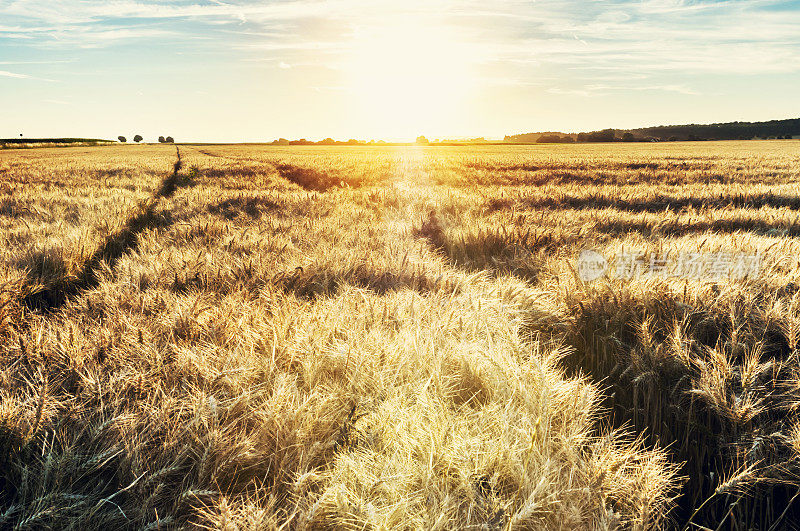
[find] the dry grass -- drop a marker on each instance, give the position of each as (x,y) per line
(376,338)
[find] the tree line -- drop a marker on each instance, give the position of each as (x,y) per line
(138,138)
(773,129)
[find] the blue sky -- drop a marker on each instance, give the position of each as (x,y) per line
(254,71)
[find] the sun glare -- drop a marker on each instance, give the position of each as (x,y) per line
(408,79)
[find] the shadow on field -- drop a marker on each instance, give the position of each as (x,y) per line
(648,228)
(713,390)
(15,208)
(45,269)
(60,288)
(320,281)
(495,250)
(308,178)
(660,203)
(238,172)
(251,206)
(112,172)
(683,165)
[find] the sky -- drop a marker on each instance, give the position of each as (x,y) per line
(233,71)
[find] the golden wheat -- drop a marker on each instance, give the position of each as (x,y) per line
(377,337)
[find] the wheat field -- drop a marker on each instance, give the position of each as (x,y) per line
(258,337)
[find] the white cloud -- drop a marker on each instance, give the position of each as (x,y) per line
(637,38)
(68,12)
(656,36)
(5,73)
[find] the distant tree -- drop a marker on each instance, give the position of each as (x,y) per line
(169,140)
(161,139)
(606,135)
(628,137)
(281,142)
(122,139)
(554,139)
(422,140)
(138,138)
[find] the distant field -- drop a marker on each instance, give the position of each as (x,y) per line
(265,337)
(27,143)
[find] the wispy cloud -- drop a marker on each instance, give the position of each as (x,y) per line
(597,90)
(17,75)
(623,49)
(656,36)
(648,35)
(71,12)
(5,73)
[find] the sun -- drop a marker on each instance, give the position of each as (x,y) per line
(407,79)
